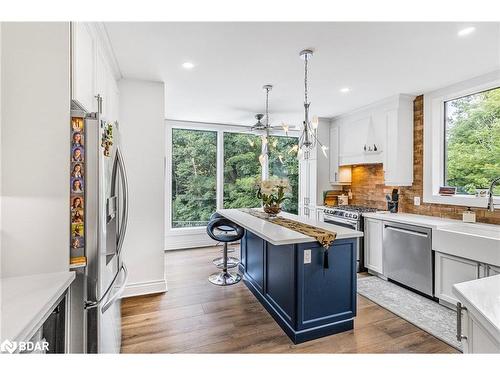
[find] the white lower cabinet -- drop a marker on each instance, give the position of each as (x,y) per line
(451,270)
(374,245)
(475,338)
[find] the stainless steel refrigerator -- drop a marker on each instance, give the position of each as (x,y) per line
(101,279)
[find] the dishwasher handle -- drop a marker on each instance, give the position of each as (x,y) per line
(407,231)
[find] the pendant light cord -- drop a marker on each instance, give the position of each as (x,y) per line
(267,106)
(305,78)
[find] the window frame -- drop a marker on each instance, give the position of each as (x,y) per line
(434,139)
(220,129)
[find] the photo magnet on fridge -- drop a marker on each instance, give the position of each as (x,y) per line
(77,154)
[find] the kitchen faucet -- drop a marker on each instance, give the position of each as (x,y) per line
(491,205)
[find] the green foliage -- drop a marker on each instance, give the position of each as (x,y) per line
(194,163)
(194,173)
(241,169)
(289,168)
(473,141)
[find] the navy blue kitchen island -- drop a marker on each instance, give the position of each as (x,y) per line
(286,272)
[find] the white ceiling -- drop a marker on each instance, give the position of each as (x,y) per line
(233,61)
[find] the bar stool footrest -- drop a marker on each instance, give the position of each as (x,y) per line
(224,278)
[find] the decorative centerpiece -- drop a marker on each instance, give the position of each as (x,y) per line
(273,194)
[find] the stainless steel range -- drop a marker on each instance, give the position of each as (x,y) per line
(350,217)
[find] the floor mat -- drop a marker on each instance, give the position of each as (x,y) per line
(426,314)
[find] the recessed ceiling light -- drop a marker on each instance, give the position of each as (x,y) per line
(466,31)
(188,65)
(345,89)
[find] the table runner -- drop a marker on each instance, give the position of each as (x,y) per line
(323,236)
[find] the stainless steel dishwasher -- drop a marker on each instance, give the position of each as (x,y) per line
(408,256)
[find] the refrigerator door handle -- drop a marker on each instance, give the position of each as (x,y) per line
(124,218)
(94,304)
(118,292)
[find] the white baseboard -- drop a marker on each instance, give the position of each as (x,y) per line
(188,241)
(143,288)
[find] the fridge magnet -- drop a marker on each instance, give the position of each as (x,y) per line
(77,243)
(77,230)
(76,185)
(107,139)
(77,139)
(77,154)
(77,216)
(76,203)
(77,170)
(77,124)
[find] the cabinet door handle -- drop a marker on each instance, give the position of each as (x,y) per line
(335,176)
(460,337)
(99,103)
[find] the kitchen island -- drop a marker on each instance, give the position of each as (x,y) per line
(286,271)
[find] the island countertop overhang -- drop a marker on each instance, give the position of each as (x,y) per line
(279,235)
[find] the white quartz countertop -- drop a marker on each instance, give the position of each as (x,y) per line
(27,301)
(475,241)
(422,220)
(482,299)
(279,235)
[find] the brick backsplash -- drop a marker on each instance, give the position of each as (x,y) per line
(368,183)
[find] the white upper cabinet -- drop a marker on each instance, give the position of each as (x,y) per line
(101,81)
(92,74)
(398,160)
(379,133)
(338,175)
(83,66)
(334,154)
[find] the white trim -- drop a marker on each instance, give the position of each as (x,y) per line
(188,241)
(386,104)
(145,287)
(434,138)
(219,192)
(107,47)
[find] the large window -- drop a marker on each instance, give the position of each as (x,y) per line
(199,188)
(285,164)
(194,177)
(241,169)
(462,140)
(472,141)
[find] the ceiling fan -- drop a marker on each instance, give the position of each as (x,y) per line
(263,125)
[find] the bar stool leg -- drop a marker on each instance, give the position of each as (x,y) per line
(224,278)
(224,255)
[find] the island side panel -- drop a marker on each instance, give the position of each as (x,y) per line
(254,260)
(326,296)
(280,285)
(243,254)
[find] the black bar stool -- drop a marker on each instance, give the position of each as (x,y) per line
(231,261)
(221,225)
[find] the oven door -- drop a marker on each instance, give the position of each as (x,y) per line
(351,224)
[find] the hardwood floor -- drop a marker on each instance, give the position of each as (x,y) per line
(195,316)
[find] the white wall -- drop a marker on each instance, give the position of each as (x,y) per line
(0,149)
(35,151)
(142,133)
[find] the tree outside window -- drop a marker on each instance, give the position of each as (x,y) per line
(283,163)
(194,177)
(472,134)
(241,170)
